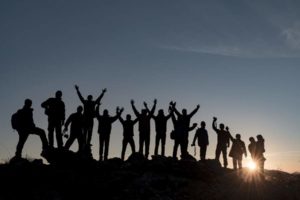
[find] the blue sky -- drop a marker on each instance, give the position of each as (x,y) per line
(238,59)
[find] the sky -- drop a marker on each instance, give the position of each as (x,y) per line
(238,59)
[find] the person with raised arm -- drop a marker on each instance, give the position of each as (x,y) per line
(104,130)
(201,136)
(144,127)
(183,120)
(128,133)
(223,141)
(238,148)
(89,114)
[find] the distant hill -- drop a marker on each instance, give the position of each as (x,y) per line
(140,179)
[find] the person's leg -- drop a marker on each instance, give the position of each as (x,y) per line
(58,131)
(240,163)
(156,144)
(218,153)
(101,144)
(106,144)
(224,152)
(141,143)
(203,152)
(163,142)
(70,141)
(132,145)
(90,131)
(22,139)
(40,132)
(147,144)
(175,148)
(51,133)
(124,145)
(234,163)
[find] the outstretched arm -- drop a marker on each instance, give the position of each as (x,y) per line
(175,109)
(194,111)
(214,124)
(79,94)
(98,100)
(193,127)
(134,109)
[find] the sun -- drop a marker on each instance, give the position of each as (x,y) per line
(252,166)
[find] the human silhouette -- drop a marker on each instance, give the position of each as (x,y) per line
(128,133)
(161,128)
(223,141)
(179,136)
(202,136)
(260,149)
(183,123)
(104,130)
(144,127)
(55,110)
(252,148)
(89,106)
(237,150)
(26,126)
(77,124)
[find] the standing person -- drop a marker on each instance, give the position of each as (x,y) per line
(178,136)
(55,109)
(104,130)
(202,137)
(252,148)
(144,127)
(89,114)
(161,129)
(23,122)
(76,132)
(128,133)
(223,142)
(260,149)
(238,148)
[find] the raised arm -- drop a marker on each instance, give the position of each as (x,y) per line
(98,110)
(214,124)
(194,111)
(120,118)
(134,108)
(153,107)
(175,109)
(118,114)
(79,94)
(98,100)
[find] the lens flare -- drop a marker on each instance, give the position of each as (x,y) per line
(252,166)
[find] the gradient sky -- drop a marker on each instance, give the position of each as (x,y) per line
(238,59)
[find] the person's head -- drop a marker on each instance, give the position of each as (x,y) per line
(251,139)
(105,112)
(144,112)
(161,112)
(184,112)
(58,94)
(260,138)
(238,136)
(90,97)
(203,124)
(128,117)
(27,103)
(222,126)
(79,109)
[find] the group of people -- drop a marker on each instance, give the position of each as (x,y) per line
(82,121)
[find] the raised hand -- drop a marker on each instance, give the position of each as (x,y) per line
(155,101)
(198,106)
(104,90)
(215,119)
(76,87)
(227,128)
(145,104)
(132,101)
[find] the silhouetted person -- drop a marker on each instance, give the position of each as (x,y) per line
(128,133)
(179,136)
(104,130)
(184,125)
(55,109)
(76,132)
(26,126)
(161,129)
(89,106)
(222,143)
(238,148)
(144,127)
(260,149)
(252,148)
(202,137)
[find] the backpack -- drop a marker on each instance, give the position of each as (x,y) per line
(15,120)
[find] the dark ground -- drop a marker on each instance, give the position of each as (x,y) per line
(72,177)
